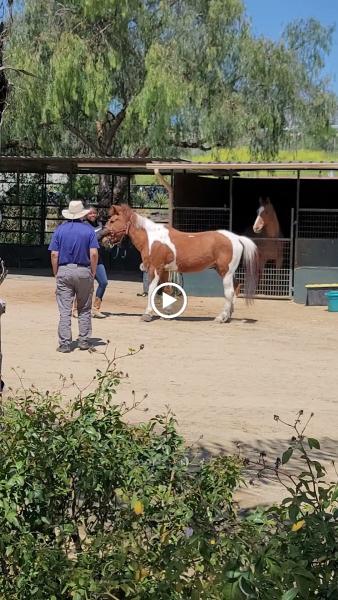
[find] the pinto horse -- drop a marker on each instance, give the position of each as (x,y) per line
(165,249)
(267,227)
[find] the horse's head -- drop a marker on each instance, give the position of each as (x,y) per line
(264,213)
(118,224)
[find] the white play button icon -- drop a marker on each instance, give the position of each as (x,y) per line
(167,300)
(162,303)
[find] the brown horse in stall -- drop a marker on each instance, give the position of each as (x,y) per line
(165,249)
(269,244)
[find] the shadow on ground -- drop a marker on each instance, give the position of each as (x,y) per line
(262,455)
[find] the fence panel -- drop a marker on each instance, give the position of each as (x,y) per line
(192,219)
(317,223)
(317,237)
(275,281)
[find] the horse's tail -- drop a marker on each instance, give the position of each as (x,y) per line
(251,266)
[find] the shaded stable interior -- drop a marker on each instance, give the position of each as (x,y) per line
(206,196)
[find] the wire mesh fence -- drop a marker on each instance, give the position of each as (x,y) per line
(193,219)
(59,191)
(32,203)
(317,223)
(21,200)
(276,268)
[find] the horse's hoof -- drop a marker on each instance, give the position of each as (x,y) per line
(222,320)
(146,318)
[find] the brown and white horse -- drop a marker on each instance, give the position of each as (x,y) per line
(266,226)
(164,249)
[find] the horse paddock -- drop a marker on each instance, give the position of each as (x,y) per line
(224,382)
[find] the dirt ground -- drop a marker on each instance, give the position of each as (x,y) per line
(223,382)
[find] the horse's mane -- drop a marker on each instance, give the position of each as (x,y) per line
(141,222)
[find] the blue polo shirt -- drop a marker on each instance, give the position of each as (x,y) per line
(73,240)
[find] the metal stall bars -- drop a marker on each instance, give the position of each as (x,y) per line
(317,238)
(192,219)
(317,223)
(276,262)
(22,197)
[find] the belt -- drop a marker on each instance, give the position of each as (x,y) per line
(73,265)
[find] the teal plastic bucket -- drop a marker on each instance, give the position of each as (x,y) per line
(332,300)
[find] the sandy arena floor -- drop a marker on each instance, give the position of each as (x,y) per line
(223,382)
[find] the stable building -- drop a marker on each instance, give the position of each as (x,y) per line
(202,196)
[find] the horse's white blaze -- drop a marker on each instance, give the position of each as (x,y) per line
(258,224)
(156,232)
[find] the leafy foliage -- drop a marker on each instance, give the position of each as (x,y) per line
(93,507)
(137,76)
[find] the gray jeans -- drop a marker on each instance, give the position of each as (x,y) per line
(145,282)
(74,282)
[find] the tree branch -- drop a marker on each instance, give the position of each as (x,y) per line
(200,144)
(164,182)
(75,131)
(20,146)
(114,125)
(122,181)
(142,152)
(23,71)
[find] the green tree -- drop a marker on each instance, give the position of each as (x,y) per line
(138,76)
(309,42)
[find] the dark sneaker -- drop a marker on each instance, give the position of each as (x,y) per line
(84,345)
(65,349)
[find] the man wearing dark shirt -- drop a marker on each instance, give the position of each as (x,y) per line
(74,256)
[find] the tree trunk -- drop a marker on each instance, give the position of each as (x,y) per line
(105,190)
(3,78)
(106,132)
(120,189)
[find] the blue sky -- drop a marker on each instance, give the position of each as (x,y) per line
(269,18)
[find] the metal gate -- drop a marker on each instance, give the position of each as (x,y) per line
(275,281)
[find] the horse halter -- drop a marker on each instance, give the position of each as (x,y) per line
(124,232)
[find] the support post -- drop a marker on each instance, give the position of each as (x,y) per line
(296,217)
(128,200)
(71,179)
(292,252)
(170,190)
(230,201)
(43,209)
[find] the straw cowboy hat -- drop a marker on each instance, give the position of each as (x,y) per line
(75,210)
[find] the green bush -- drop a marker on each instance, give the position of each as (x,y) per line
(161,200)
(94,507)
(140,198)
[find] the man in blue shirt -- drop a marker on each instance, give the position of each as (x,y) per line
(74,256)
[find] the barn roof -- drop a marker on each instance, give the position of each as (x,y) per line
(145,166)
